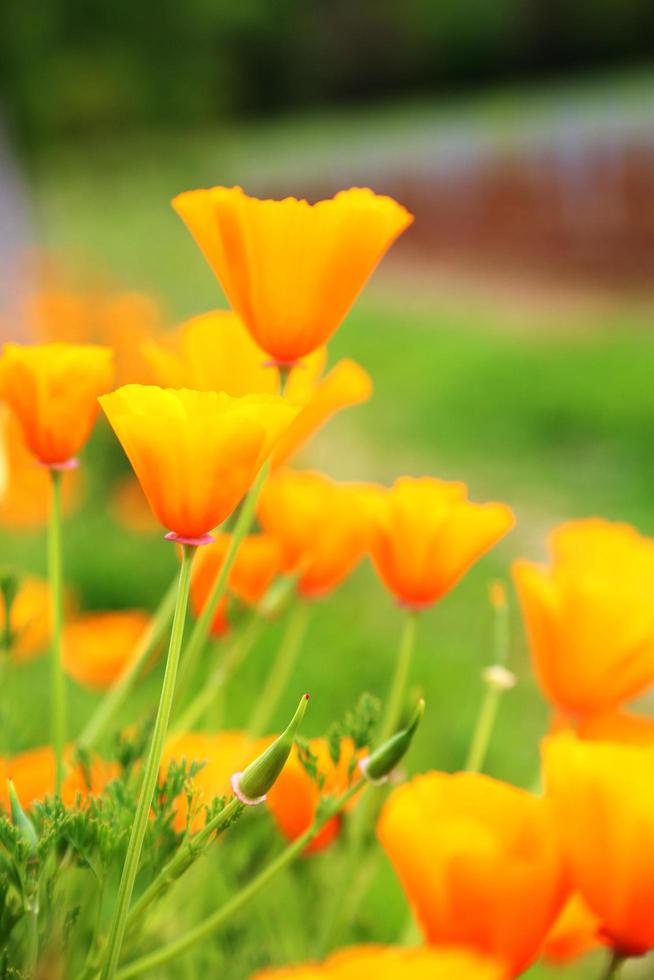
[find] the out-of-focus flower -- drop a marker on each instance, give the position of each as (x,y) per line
(615,726)
(33,775)
(319,523)
(479,861)
(30,620)
(215,352)
(603,800)
(195,453)
(291,270)
(25,486)
(390,963)
(426,534)
(257,562)
(130,507)
(294,798)
(97,646)
(589,615)
(575,932)
(53,391)
(222,753)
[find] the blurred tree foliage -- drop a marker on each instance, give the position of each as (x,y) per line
(77,67)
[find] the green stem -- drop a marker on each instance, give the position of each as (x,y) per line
(118,693)
(56,597)
(614,966)
(400,679)
(280,673)
(203,929)
(202,628)
(483,730)
(150,773)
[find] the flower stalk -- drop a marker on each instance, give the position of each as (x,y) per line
(400,679)
(280,673)
(58,680)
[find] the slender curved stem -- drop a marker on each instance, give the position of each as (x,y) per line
(56,598)
(613,966)
(150,773)
(280,673)
(218,918)
(400,679)
(491,700)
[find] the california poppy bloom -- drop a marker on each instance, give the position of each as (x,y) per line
(589,615)
(215,352)
(575,933)
(98,646)
(320,525)
(479,862)
(391,963)
(602,797)
(293,800)
(33,775)
(257,562)
(195,453)
(53,389)
(426,534)
(291,270)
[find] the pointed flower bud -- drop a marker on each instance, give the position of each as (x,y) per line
(252,785)
(377,766)
(21,820)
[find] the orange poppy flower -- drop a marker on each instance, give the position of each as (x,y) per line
(25,487)
(222,753)
(603,800)
(195,453)
(33,775)
(53,391)
(575,932)
(256,564)
(615,726)
(479,862)
(319,524)
(215,352)
(291,270)
(31,618)
(98,646)
(589,615)
(426,534)
(294,798)
(390,962)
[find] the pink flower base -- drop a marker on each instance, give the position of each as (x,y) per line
(197,542)
(235,783)
(68,464)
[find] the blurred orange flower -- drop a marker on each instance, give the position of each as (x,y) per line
(31,618)
(294,798)
(479,862)
(291,270)
(426,534)
(257,562)
(215,352)
(130,508)
(195,453)
(320,525)
(98,646)
(590,616)
(603,800)
(33,775)
(53,391)
(575,932)
(390,962)
(25,486)
(614,726)
(222,753)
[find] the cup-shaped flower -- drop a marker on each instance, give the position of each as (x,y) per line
(33,775)
(98,646)
(195,453)
(603,800)
(53,390)
(291,270)
(426,534)
(257,562)
(320,525)
(391,963)
(479,861)
(589,615)
(575,932)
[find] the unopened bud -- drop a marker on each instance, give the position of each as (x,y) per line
(499,677)
(251,786)
(21,821)
(377,766)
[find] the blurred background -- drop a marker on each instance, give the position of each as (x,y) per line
(508,334)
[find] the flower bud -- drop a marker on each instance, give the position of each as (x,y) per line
(21,820)
(252,785)
(377,766)
(499,678)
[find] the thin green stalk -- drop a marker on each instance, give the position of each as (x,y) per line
(202,628)
(170,952)
(483,730)
(150,773)
(280,673)
(614,966)
(58,680)
(97,724)
(400,679)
